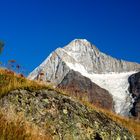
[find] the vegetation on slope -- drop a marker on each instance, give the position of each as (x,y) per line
(18,128)
(132,125)
(63,117)
(10,81)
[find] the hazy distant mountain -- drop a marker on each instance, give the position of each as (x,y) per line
(81,58)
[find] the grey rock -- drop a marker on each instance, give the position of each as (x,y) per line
(134,89)
(95,61)
(80,51)
(62,117)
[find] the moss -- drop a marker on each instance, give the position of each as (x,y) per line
(65,111)
(46,100)
(118,138)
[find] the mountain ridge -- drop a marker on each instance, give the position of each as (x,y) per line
(81,56)
(65,55)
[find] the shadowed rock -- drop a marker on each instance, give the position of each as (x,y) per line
(134,88)
(83,88)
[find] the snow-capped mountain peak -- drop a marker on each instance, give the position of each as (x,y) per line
(107,72)
(80,46)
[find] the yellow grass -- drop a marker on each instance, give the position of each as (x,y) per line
(10,81)
(132,125)
(16,128)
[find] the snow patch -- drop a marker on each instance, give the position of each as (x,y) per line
(116,83)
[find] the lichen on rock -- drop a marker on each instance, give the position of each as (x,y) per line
(63,117)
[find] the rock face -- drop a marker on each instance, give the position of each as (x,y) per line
(82,53)
(103,70)
(83,88)
(95,61)
(64,118)
(134,88)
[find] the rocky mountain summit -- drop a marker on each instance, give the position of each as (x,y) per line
(82,53)
(107,73)
(95,61)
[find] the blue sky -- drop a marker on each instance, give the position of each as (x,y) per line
(32,29)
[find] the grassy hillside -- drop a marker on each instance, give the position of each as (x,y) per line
(18,128)
(10,81)
(10,128)
(129,123)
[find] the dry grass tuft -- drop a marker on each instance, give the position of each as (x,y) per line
(10,81)
(132,125)
(19,129)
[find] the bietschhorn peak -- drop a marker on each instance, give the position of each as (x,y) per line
(82,56)
(80,40)
(80,45)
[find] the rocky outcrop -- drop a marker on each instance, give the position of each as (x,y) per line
(63,117)
(83,88)
(53,68)
(134,88)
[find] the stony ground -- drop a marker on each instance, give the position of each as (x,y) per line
(64,118)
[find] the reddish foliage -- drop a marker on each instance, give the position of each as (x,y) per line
(21,75)
(12,61)
(9,72)
(41,73)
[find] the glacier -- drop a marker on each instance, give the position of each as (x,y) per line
(116,83)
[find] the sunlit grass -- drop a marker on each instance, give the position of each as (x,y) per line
(10,81)
(132,125)
(17,128)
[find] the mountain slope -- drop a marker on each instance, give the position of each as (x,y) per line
(84,89)
(59,116)
(62,117)
(83,54)
(95,61)
(103,70)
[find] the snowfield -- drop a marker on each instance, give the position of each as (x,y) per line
(116,83)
